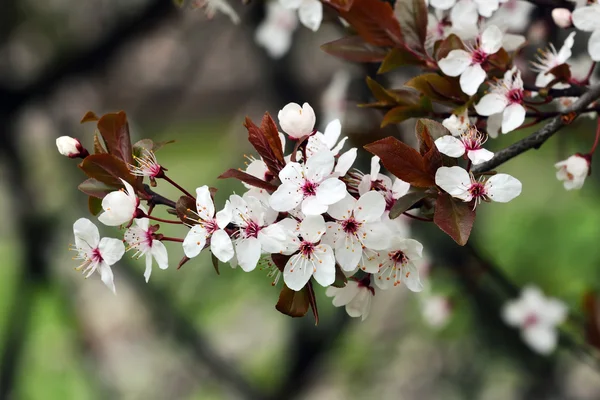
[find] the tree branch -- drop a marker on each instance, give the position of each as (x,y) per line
(572,91)
(554,3)
(535,140)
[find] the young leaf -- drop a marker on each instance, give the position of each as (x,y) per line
(98,146)
(398,57)
(249,179)
(402,161)
(271,133)
(427,131)
(452,42)
(405,202)
(413,15)
(591,309)
(108,169)
(355,49)
(438,88)
(215,263)
(89,116)
(312,300)
(401,114)
(185,209)
(115,131)
(94,188)
(292,303)
(94,205)
(375,21)
(455,217)
(266,142)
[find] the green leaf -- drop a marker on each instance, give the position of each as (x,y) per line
(454,217)
(108,169)
(402,161)
(292,303)
(398,57)
(355,49)
(405,202)
(115,131)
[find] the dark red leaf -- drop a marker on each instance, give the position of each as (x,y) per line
(562,73)
(455,217)
(215,263)
(266,142)
(312,300)
(398,57)
(99,147)
(94,188)
(375,21)
(591,309)
(405,202)
(249,179)
(280,260)
(427,131)
(343,5)
(402,161)
(271,133)
(401,114)
(340,278)
(412,16)
(108,169)
(94,205)
(186,209)
(115,131)
(292,303)
(355,49)
(452,42)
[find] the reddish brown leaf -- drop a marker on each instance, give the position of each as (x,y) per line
(340,278)
(398,57)
(215,263)
(591,309)
(402,113)
(312,300)
(412,16)
(452,42)
(562,73)
(280,260)
(500,60)
(186,209)
(402,161)
(439,88)
(375,21)
(108,169)
(343,5)
(89,116)
(98,146)
(355,49)
(115,131)
(267,146)
(405,202)
(292,303)
(94,188)
(455,217)
(94,205)
(427,131)
(249,179)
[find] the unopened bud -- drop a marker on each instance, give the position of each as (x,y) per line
(70,147)
(562,17)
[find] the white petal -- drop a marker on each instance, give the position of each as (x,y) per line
(450,146)
(297,272)
(594,45)
(297,121)
(543,79)
(503,188)
(540,338)
(159,252)
(464,13)
(472,78)
(455,63)
(313,206)
(224,216)
(332,133)
(411,278)
(286,197)
(491,39)
(148,271)
(360,305)
(221,246)
(486,7)
(291,4)
(324,262)
(311,14)
(375,235)
(194,241)
(204,203)
(345,162)
(348,251)
(400,188)
(511,42)
(342,209)
(343,295)
(586,18)
(292,173)
(494,124)
(513,117)
(336,149)
(480,156)
(413,249)
(86,234)
(442,4)
(369,207)
(111,250)
(565,51)
(319,166)
(248,253)
(118,209)
(455,181)
(514,313)
(491,103)
(107,276)
(331,191)
(312,228)
(375,167)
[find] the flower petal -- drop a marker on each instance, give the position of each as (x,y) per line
(454,180)
(342,209)
(319,166)
(375,235)
(480,156)
(400,188)
(204,203)
(490,104)
(594,45)
(332,133)
(455,63)
(450,146)
(312,228)
(586,18)
(345,161)
(148,270)
(312,206)
(297,272)
(369,207)
(513,117)
(348,251)
(248,253)
(286,197)
(311,14)
(86,234)
(494,124)
(331,191)
(541,338)
(491,39)
(221,246)
(503,188)
(194,241)
(324,264)
(111,250)
(411,277)
(107,276)
(472,78)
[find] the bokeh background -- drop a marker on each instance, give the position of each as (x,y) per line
(193,334)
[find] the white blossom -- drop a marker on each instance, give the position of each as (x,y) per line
(275,32)
(357,229)
(586,19)
(382,184)
(312,258)
(573,171)
(436,310)
(97,254)
(395,265)
(551,58)
(209,226)
(469,142)
(537,316)
(457,182)
(506,98)
(297,121)
(562,17)
(310,185)
(467,63)
(147,165)
(140,238)
(327,140)
(310,12)
(120,206)
(458,124)
(356,296)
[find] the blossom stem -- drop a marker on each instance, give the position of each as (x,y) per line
(172,182)
(469,165)
(596,140)
(168,221)
(150,208)
(586,81)
(417,217)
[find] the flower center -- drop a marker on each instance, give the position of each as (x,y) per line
(478,56)
(473,139)
(309,188)
(515,96)
(211,226)
(252,229)
(477,190)
(307,248)
(398,257)
(350,226)
(96,256)
(530,320)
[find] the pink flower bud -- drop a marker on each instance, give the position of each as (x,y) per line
(562,17)
(70,147)
(573,171)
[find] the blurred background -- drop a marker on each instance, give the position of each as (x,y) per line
(193,334)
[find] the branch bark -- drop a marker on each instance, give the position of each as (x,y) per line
(535,140)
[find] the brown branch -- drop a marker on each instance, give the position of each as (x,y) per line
(535,140)
(553,3)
